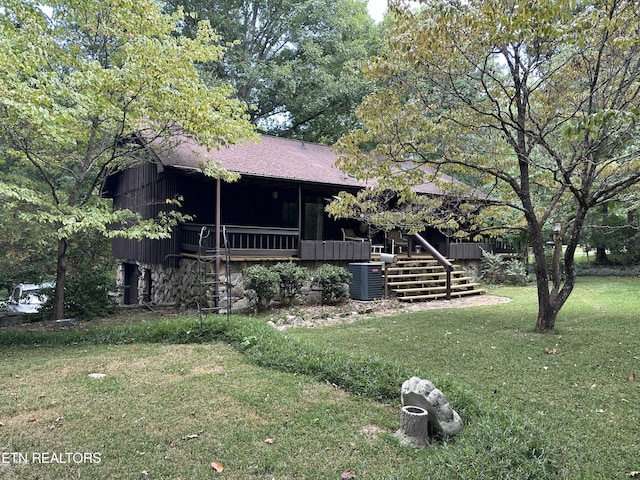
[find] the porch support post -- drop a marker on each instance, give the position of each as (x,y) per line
(218,243)
(299,217)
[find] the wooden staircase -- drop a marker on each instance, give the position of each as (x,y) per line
(421,278)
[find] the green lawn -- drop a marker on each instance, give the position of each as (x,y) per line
(574,384)
(535,406)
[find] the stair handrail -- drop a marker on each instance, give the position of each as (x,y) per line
(441,259)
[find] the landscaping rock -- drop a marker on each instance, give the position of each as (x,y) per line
(443,420)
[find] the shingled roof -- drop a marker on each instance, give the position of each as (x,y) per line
(276,158)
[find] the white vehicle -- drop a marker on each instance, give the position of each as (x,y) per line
(28,297)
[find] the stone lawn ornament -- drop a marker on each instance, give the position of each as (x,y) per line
(443,421)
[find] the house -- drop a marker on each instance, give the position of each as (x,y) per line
(274,212)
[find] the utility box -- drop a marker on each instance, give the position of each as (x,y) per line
(366,281)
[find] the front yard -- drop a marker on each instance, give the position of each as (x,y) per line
(181,400)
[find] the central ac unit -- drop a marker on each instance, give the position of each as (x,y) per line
(366,281)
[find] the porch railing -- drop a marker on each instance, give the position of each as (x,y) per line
(442,260)
(247,240)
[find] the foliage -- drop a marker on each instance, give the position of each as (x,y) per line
(535,108)
(87,296)
(292,278)
(85,85)
(614,229)
(299,70)
(26,254)
(515,272)
(263,280)
(590,271)
(91,279)
(333,282)
(492,267)
(496,270)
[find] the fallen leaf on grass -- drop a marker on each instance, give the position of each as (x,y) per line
(270,441)
(347,474)
(217,466)
(631,377)
(551,351)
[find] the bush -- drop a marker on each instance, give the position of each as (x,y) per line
(86,296)
(263,281)
(515,273)
(292,278)
(496,271)
(333,282)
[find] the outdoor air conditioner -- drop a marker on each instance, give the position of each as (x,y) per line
(366,281)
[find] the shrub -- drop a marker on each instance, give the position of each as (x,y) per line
(491,267)
(496,271)
(86,296)
(333,282)
(515,272)
(292,278)
(263,281)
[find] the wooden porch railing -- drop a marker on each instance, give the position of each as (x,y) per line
(448,266)
(274,243)
(247,240)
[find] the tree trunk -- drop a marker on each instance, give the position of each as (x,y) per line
(61,275)
(601,257)
(601,250)
(547,314)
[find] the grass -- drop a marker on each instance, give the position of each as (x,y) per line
(171,410)
(573,385)
(178,396)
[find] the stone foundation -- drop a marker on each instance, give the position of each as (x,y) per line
(162,285)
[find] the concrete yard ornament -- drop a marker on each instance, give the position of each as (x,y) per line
(443,421)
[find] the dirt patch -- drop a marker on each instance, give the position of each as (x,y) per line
(352,310)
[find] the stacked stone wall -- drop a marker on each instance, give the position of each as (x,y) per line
(181,286)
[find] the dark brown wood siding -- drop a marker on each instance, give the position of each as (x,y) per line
(145,190)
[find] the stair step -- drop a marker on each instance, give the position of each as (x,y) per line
(456,280)
(441,273)
(454,287)
(434,296)
(396,268)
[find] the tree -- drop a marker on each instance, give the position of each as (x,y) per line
(536,103)
(294,62)
(85,86)
(613,229)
